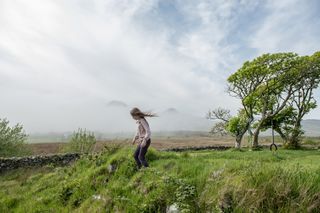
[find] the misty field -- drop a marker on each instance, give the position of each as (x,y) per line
(202,181)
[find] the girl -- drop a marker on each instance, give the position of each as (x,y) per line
(142,136)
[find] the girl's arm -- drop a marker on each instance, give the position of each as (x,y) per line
(136,136)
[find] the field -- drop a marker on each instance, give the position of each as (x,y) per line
(202,181)
(191,181)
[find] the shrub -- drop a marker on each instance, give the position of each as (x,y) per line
(82,141)
(12,139)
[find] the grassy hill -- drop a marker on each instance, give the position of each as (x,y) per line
(206,181)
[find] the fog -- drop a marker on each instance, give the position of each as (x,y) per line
(63,62)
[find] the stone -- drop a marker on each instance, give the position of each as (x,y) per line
(174,208)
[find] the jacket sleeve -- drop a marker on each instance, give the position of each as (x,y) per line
(136,136)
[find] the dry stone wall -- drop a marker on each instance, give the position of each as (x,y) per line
(40,160)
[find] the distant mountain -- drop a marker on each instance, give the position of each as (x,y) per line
(171,111)
(116,103)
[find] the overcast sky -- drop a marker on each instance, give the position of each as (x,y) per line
(63,61)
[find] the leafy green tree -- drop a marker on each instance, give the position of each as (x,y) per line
(82,141)
(12,140)
(277,88)
(302,101)
(236,126)
(265,85)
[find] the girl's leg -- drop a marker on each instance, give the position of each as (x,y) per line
(136,156)
(143,152)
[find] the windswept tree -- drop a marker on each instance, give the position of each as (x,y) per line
(268,82)
(288,121)
(236,126)
(277,89)
(303,100)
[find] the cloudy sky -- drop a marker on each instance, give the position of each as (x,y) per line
(62,62)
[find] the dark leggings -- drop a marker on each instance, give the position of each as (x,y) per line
(139,154)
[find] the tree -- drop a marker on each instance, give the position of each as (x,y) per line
(301,102)
(277,88)
(220,127)
(238,126)
(264,86)
(12,139)
(235,126)
(82,141)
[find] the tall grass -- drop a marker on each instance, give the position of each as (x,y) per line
(203,181)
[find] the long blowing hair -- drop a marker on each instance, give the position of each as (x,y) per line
(137,112)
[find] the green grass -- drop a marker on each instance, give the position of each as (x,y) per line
(202,181)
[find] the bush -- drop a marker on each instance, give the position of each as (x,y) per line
(82,141)
(12,139)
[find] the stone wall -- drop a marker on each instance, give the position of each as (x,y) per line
(219,148)
(34,161)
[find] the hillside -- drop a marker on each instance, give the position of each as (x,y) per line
(207,181)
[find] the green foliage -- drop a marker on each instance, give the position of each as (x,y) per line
(277,87)
(82,141)
(237,124)
(12,140)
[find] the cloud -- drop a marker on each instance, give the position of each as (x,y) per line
(288,26)
(61,62)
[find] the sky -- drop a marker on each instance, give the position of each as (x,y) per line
(63,62)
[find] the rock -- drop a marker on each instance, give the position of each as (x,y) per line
(112,168)
(174,208)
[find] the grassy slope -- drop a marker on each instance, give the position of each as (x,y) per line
(195,181)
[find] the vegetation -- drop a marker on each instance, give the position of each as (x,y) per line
(82,141)
(236,126)
(275,90)
(206,181)
(12,140)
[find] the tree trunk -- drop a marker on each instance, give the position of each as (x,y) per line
(237,144)
(256,133)
(294,140)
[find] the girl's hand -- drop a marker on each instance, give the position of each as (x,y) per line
(143,144)
(134,141)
